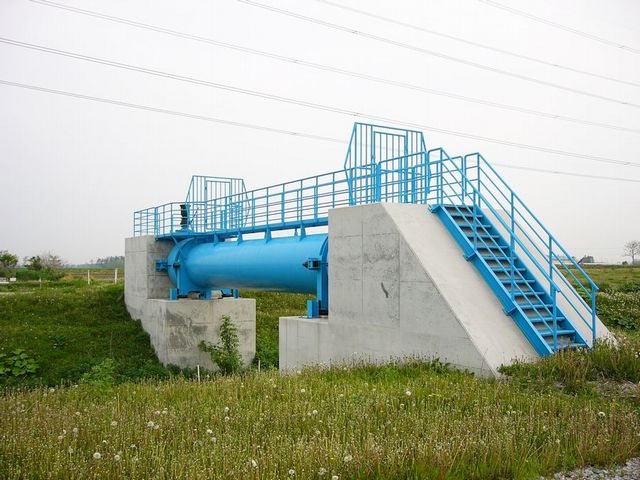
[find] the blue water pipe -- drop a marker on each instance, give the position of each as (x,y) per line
(296,263)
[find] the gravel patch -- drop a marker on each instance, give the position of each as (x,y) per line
(629,471)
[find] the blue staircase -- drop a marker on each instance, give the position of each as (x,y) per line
(521,294)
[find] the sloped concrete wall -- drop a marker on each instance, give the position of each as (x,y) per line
(398,287)
(177,327)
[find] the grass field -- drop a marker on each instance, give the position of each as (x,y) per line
(399,421)
(70,329)
(614,276)
(414,421)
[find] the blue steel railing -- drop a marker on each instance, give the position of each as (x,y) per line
(418,176)
(472,181)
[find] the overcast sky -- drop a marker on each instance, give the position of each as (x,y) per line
(73,171)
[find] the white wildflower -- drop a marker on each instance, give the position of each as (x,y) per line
(335,477)
(292,472)
(602,414)
(114,423)
(408,393)
(117,457)
(60,437)
(226,409)
(97,456)
(254,464)
(302,390)
(315,412)
(347,458)
(51,390)
(322,471)
(74,429)
(150,424)
(209,431)
(226,419)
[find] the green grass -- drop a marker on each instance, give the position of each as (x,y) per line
(582,371)
(70,329)
(270,306)
(412,421)
(613,276)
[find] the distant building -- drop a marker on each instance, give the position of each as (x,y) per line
(586,259)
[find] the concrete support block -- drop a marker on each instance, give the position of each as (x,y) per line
(303,341)
(399,287)
(176,327)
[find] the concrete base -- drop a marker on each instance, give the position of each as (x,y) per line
(177,327)
(399,286)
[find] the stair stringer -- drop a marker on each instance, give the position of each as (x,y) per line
(573,313)
(494,334)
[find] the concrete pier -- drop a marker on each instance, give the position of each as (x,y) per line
(399,286)
(177,327)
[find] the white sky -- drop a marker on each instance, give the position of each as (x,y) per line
(72,171)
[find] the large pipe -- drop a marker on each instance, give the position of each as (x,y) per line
(274,264)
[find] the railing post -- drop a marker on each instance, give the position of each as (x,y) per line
(512,248)
(550,263)
(475,223)
(440,180)
(378,182)
(214,218)
(463,178)
(479,182)
(333,189)
(413,184)
(266,204)
(593,315)
(315,201)
(155,222)
(555,318)
(206,215)
(253,209)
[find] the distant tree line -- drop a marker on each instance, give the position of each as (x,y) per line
(106,262)
(46,266)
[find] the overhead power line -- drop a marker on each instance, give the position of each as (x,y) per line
(318,106)
(170,112)
(433,53)
(339,71)
(570,174)
(476,44)
(222,121)
(560,26)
